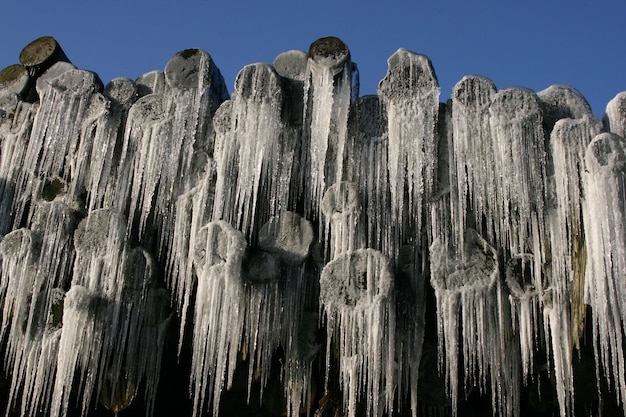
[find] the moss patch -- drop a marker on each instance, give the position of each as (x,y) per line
(328,46)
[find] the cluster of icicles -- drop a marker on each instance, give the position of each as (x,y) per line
(297,205)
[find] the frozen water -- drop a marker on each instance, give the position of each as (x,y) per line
(410,92)
(470,305)
(357,294)
(294,198)
(615,115)
(329,90)
(605,229)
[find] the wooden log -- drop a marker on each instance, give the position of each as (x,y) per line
(329,51)
(152,82)
(291,65)
(41,54)
(14,79)
(121,91)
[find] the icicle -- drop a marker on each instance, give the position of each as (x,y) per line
(218,316)
(519,196)
(357,294)
(62,136)
(277,294)
(564,308)
(328,93)
(469,301)
(167,143)
(15,130)
(194,209)
(114,319)
(472,158)
(615,115)
(366,152)
(341,208)
(604,214)
(410,92)
(525,299)
(36,265)
(252,181)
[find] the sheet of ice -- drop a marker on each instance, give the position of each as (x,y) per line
(358,299)
(604,214)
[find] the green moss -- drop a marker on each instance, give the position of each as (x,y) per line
(12,72)
(38,51)
(328,46)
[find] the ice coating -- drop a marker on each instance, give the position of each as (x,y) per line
(62,136)
(603,213)
(15,133)
(562,102)
(341,208)
(357,293)
(410,92)
(113,308)
(564,307)
(289,235)
(519,197)
(472,156)
(469,301)
(218,320)
(252,184)
(328,93)
(36,262)
(615,115)
(255,212)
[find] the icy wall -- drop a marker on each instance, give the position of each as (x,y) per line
(298,249)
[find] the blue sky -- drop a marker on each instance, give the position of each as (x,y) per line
(530,43)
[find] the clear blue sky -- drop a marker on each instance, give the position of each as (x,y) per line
(530,43)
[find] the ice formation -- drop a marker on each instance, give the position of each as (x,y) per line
(603,213)
(357,293)
(305,245)
(470,302)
